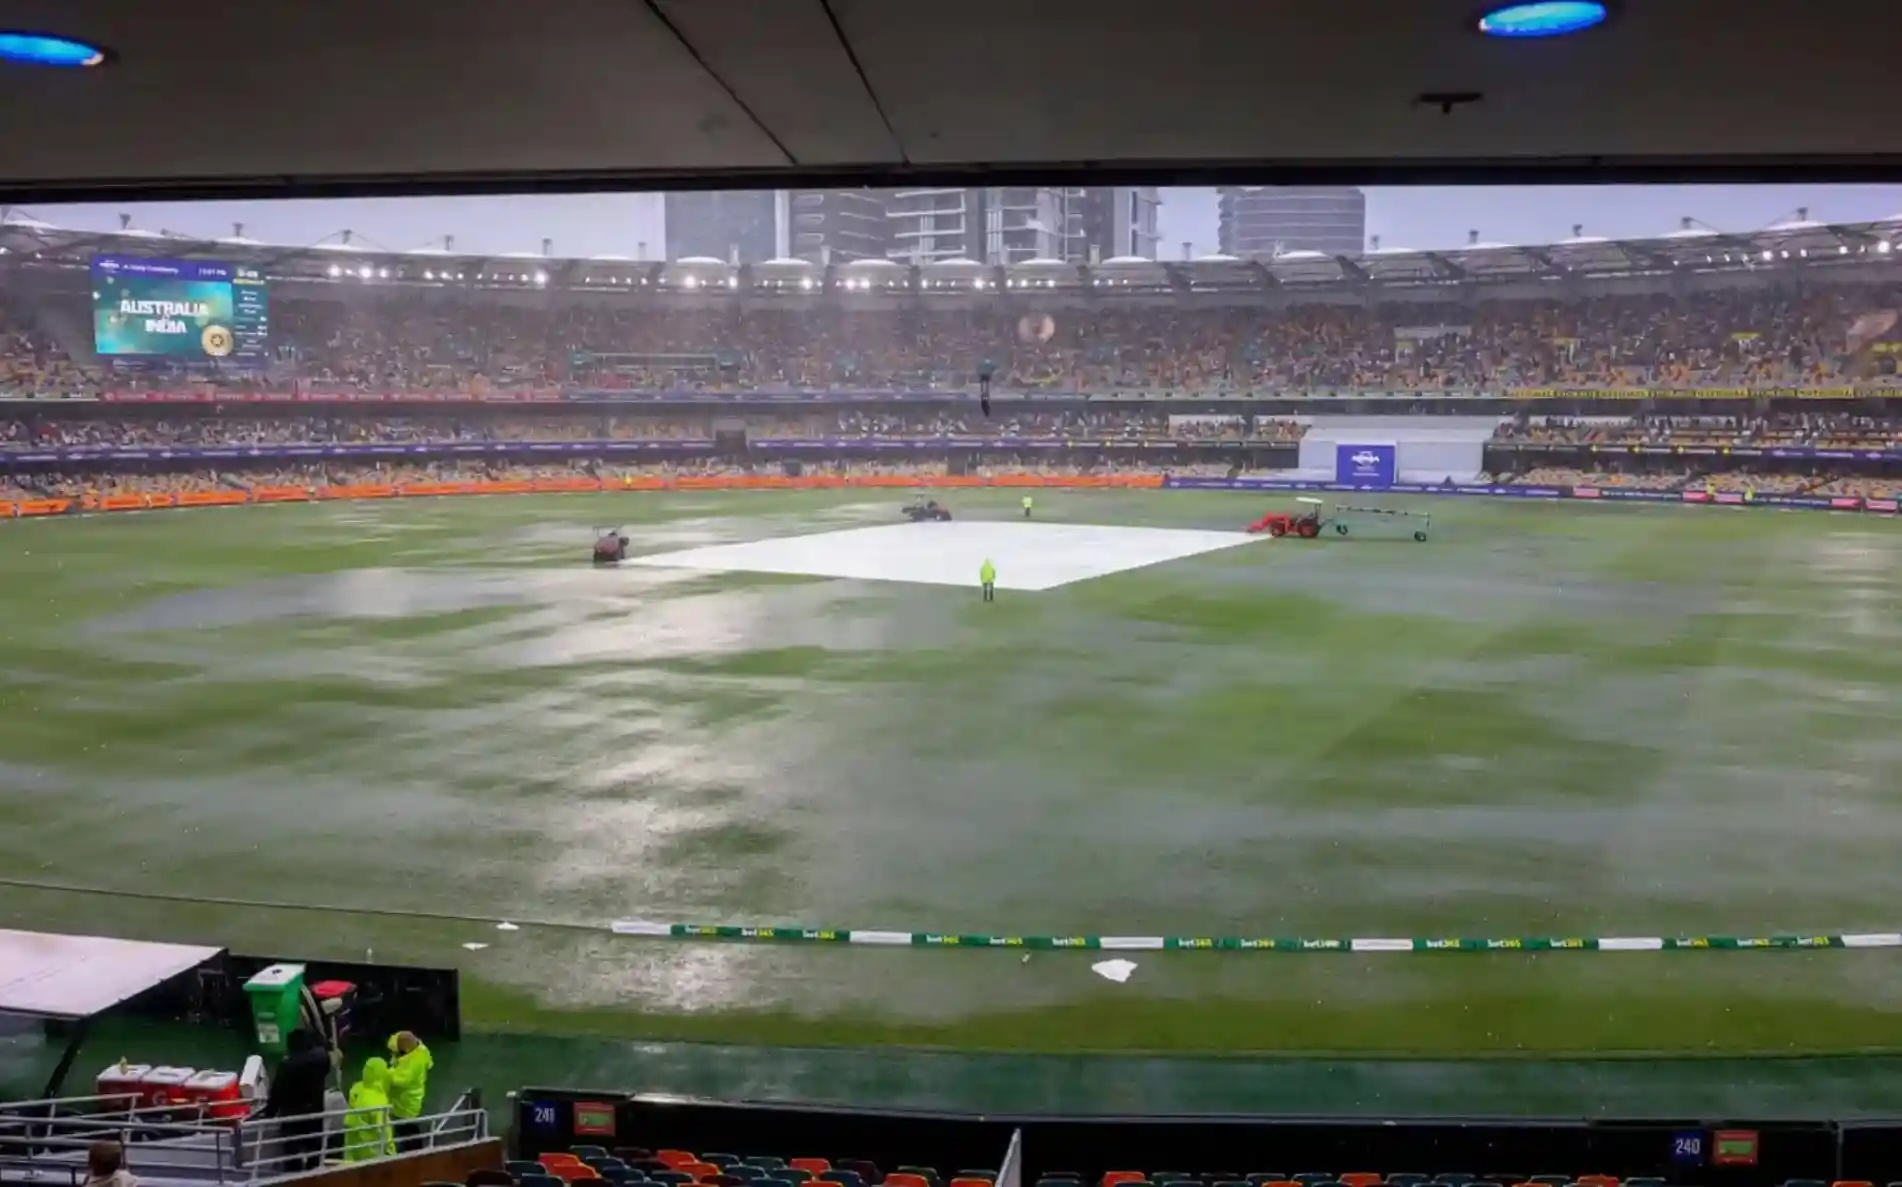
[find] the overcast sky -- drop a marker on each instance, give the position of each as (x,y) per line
(617,224)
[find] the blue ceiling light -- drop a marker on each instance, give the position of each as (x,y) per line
(40,49)
(1542,18)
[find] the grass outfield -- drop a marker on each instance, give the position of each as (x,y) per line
(1550,720)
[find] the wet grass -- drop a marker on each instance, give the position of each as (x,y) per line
(1567,720)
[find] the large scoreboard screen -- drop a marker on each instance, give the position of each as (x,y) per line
(181,311)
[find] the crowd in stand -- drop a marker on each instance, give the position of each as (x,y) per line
(21,433)
(429,341)
(1803,429)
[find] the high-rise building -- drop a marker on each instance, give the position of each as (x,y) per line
(738,226)
(1107,222)
(839,226)
(1258,222)
(928,225)
(993,225)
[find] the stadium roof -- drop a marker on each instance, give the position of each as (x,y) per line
(364,96)
(1798,242)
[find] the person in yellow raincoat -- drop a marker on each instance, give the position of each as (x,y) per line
(410,1062)
(367,1131)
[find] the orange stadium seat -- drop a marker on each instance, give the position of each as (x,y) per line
(676,1158)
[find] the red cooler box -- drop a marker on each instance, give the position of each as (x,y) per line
(166,1085)
(123,1079)
(218,1093)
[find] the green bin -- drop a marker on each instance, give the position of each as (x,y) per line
(276,995)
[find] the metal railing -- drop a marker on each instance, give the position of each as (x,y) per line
(46,1141)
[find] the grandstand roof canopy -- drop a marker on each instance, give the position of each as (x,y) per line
(368,96)
(1815,248)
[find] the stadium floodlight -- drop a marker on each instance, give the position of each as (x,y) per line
(1543,18)
(1883,247)
(805,282)
(366,272)
(690,282)
(733,282)
(43,49)
(541,277)
(383,273)
(334,271)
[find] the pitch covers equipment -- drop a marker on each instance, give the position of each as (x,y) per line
(1348,519)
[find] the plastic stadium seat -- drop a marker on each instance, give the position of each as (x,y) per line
(1804,1183)
(574,1172)
(817,1166)
(584,1153)
(539,1180)
(488,1176)
(1257,1178)
(1852,1183)
(676,1157)
(616,1172)
(648,1166)
(902,1179)
(1231,1183)
(632,1154)
(865,1170)
(592,1181)
(558,1158)
(842,1178)
(765,1161)
(721,1160)
(740,1170)
(772,1183)
(519,1166)
(673,1178)
(1360,1179)
(964,1182)
(1116,1178)
(1598,1181)
(930,1175)
(1456,1179)
(794,1174)
(1307,1177)
(701,1171)
(1406,1180)
(1550,1180)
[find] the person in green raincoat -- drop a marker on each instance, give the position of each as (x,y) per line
(367,1132)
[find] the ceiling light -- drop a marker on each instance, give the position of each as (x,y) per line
(1542,18)
(39,49)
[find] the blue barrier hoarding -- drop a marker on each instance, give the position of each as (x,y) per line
(1365,466)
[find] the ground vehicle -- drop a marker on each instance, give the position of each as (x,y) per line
(1305,523)
(610,546)
(1342,518)
(922,509)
